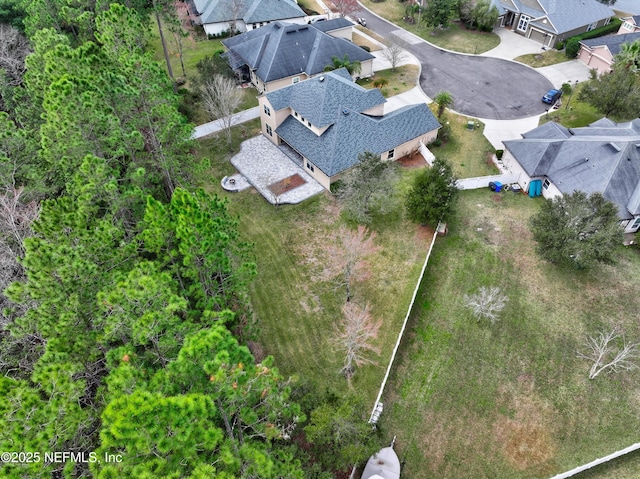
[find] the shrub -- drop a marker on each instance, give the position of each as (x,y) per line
(499,154)
(614,26)
(572,48)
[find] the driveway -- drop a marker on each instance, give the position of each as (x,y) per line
(482,86)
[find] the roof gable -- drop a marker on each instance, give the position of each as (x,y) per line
(353,133)
(250,11)
(288,50)
(602,157)
(612,42)
(561,15)
(320,99)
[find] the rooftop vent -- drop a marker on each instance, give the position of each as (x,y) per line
(586,159)
(615,147)
(345,112)
(321,78)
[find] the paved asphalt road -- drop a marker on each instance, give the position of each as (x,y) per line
(482,87)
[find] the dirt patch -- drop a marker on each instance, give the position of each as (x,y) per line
(287,184)
(526,437)
(414,160)
(424,234)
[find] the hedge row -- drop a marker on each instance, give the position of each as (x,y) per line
(572,43)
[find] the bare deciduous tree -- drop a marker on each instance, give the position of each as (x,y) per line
(221,97)
(354,336)
(14,48)
(608,354)
(347,255)
(487,303)
(346,7)
(396,50)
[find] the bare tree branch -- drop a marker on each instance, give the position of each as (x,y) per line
(602,351)
(221,98)
(14,48)
(396,50)
(487,303)
(346,256)
(354,336)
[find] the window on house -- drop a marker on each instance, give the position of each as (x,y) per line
(523,23)
(391,154)
(592,26)
(269,130)
(255,25)
(295,80)
(309,166)
(267,110)
(628,26)
(546,183)
(636,223)
(607,21)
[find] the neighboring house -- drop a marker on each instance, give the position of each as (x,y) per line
(552,21)
(281,53)
(218,16)
(598,53)
(603,157)
(329,121)
(630,25)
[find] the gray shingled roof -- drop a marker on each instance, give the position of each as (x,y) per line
(603,157)
(564,15)
(335,24)
(320,99)
(251,11)
(353,133)
(280,50)
(612,42)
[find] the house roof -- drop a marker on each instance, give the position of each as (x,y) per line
(602,157)
(250,11)
(562,16)
(281,49)
(382,465)
(330,25)
(320,99)
(338,148)
(612,42)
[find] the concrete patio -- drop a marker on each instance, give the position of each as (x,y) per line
(262,164)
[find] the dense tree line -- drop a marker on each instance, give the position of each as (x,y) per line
(122,288)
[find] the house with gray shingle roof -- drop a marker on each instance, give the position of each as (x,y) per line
(218,16)
(552,21)
(598,53)
(281,53)
(603,157)
(329,121)
(630,25)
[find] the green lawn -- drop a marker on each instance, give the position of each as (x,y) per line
(537,60)
(404,78)
(572,113)
(471,400)
(468,150)
(195,48)
(455,37)
(296,309)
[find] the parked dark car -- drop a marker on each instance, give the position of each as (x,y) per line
(552,96)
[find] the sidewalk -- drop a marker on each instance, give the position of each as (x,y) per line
(217,125)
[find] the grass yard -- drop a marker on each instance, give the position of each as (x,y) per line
(455,37)
(195,48)
(403,79)
(297,310)
(537,60)
(512,400)
(572,113)
(468,150)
